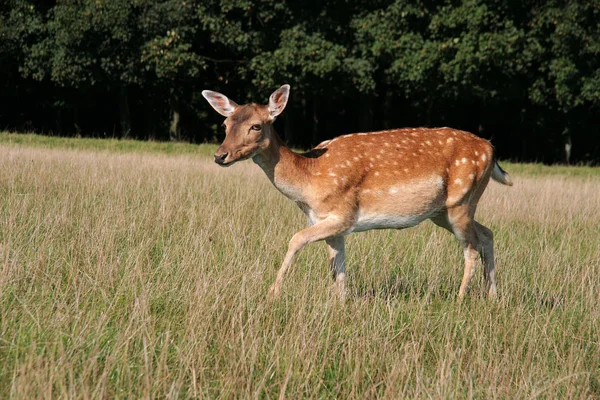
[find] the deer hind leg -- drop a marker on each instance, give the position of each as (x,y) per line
(328,228)
(459,221)
(337,253)
(486,249)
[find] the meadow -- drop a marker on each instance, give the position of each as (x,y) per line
(132,269)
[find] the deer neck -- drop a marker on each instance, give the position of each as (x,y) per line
(285,169)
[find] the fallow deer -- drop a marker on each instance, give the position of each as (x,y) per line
(374,180)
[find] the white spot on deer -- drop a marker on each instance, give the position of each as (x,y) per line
(371,165)
(376,173)
(379,156)
(393,190)
(471,176)
(326,154)
(405,169)
(476,153)
(483,157)
(395,162)
(335,181)
(465,190)
(449,140)
(428,142)
(362,134)
(473,162)
(439,141)
(457,162)
(366,191)
(382,151)
(458,181)
(464,160)
(386,144)
(316,173)
(332,174)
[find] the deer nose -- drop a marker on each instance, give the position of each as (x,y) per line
(220,158)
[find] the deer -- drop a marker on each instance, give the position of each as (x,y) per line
(391,179)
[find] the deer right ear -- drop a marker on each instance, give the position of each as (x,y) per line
(220,102)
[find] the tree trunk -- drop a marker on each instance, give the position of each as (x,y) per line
(568,147)
(125,116)
(174,129)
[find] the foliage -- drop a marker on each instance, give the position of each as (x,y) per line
(524,73)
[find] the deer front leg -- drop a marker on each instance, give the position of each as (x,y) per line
(337,256)
(328,228)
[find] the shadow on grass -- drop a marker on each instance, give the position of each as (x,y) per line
(395,288)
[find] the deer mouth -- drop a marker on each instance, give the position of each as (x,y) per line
(227,164)
(240,157)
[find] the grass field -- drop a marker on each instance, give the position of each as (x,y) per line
(133,269)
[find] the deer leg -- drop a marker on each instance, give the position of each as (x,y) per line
(460,222)
(486,249)
(471,254)
(337,253)
(464,230)
(325,229)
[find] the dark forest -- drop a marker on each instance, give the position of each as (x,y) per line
(525,74)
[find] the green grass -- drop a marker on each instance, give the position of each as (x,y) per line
(539,169)
(112,145)
(128,271)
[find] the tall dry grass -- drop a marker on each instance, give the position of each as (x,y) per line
(144,275)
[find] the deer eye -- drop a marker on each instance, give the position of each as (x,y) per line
(255,127)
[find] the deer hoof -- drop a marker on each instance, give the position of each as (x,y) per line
(274,293)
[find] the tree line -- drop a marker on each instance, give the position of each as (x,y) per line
(525,74)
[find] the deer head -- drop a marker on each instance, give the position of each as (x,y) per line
(248,128)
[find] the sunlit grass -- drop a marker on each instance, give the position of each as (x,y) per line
(138,274)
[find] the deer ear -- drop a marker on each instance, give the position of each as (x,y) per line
(278,100)
(220,102)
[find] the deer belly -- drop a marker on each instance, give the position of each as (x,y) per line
(367,221)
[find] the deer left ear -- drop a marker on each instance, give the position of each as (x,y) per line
(278,101)
(220,102)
